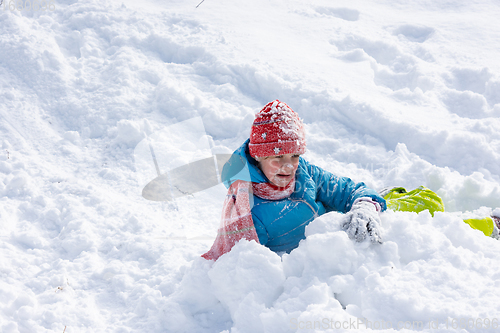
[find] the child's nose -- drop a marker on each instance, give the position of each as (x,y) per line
(287,164)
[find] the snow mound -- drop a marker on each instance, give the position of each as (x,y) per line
(428,272)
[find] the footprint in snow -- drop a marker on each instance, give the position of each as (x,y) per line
(472,93)
(392,68)
(342,13)
(414,33)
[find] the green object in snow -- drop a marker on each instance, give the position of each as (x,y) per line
(421,199)
(485,225)
(418,200)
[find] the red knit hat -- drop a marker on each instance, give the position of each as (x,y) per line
(277,130)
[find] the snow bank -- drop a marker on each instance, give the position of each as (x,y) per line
(429,273)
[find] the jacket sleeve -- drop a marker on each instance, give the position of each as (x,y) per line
(339,193)
(262,233)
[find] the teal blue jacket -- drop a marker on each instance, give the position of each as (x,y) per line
(280,224)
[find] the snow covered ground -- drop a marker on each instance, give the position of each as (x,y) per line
(393,93)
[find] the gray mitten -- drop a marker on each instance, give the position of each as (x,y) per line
(363,220)
(496,224)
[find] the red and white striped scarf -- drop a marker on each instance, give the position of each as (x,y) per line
(236,222)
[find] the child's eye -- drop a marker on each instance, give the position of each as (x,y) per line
(296,156)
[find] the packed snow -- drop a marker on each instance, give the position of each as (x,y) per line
(392,93)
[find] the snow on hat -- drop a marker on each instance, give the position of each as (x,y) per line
(277,130)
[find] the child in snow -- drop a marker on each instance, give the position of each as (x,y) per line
(284,193)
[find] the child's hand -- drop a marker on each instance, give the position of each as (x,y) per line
(363,220)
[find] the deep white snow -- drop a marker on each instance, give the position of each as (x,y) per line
(392,93)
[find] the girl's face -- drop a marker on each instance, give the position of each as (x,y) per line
(280,170)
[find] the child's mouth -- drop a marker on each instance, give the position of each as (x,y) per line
(283,176)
